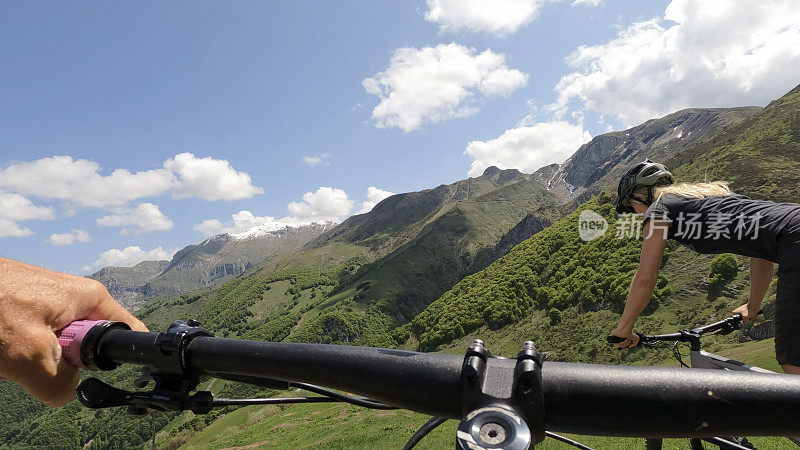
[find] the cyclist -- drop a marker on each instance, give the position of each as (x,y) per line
(710,218)
(34,303)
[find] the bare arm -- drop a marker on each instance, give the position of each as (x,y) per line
(643,282)
(761,272)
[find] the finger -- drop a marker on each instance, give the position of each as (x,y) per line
(109,309)
(41,370)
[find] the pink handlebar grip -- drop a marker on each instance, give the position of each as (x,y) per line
(70,338)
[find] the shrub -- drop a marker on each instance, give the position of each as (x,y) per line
(553,270)
(723,269)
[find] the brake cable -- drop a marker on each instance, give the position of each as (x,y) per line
(677,353)
(423,431)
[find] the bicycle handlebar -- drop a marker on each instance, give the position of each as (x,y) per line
(577,398)
(733,322)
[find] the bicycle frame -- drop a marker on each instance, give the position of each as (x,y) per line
(701,359)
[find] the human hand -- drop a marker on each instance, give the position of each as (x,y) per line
(748,313)
(36,302)
(630,339)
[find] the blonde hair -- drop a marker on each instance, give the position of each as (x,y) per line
(693,190)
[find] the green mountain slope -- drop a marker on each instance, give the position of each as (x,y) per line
(760,157)
(393,289)
(385,224)
(552,271)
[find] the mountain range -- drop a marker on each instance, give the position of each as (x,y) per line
(469,217)
(207,263)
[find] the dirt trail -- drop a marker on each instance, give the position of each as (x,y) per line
(254,445)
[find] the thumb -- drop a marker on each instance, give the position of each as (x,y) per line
(109,309)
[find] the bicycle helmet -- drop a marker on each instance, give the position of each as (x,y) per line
(647,173)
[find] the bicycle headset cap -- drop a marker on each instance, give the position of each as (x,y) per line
(647,173)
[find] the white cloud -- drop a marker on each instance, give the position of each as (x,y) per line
(15,208)
(245,222)
(527,148)
(374,196)
(498,17)
(144,218)
(587,2)
(210,227)
(323,205)
(78,182)
(127,257)
(700,54)
(209,179)
(434,84)
(316,160)
(59,239)
(10,228)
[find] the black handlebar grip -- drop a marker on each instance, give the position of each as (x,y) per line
(616,339)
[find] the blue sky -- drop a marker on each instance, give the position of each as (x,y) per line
(248,89)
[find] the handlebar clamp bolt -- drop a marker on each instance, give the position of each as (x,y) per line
(478,349)
(529,352)
(493,433)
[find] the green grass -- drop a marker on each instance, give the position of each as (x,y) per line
(323,258)
(332,426)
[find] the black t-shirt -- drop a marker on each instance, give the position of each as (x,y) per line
(725,224)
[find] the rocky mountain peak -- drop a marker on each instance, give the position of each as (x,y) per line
(608,155)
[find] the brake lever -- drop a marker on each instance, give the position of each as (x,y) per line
(739,322)
(96,394)
(145,377)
